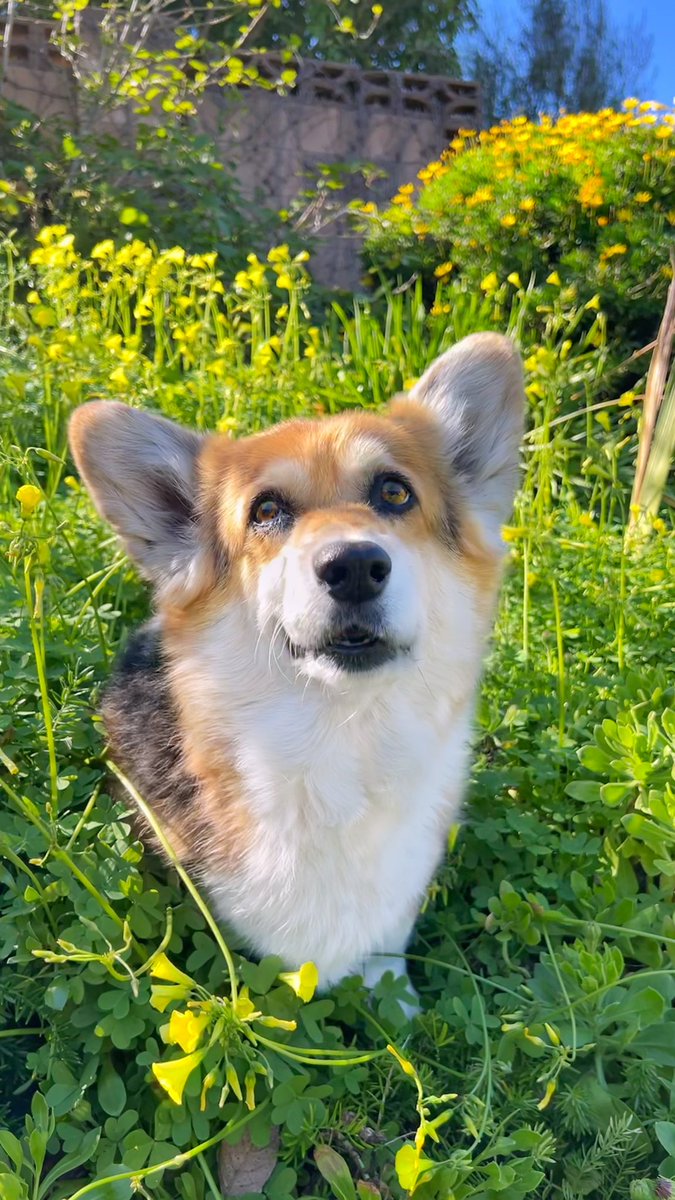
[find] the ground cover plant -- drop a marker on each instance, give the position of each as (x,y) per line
(136,1040)
(585,201)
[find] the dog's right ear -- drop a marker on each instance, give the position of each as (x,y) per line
(141,471)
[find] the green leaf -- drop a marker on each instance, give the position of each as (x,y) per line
(665,1132)
(133,216)
(112,1093)
(585,790)
(12,1188)
(594,759)
(657,1043)
(57,995)
(336,1172)
(70,149)
(12,1147)
(613,793)
(70,1161)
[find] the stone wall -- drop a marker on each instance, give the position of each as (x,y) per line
(334,114)
(35,75)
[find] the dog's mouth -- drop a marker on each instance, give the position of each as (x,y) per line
(354,648)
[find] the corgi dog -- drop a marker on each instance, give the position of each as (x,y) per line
(298,712)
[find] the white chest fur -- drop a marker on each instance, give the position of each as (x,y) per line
(350,806)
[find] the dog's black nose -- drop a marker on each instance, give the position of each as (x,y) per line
(353,571)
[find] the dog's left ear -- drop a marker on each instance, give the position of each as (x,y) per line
(141,472)
(476,391)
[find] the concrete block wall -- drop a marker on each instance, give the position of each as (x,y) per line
(335,113)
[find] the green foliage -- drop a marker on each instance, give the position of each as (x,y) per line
(135,1038)
(166,182)
(588,199)
(404,36)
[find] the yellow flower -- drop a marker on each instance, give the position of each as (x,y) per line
(303,982)
(612,251)
(163,968)
(528,204)
(175,255)
(377,10)
(490,283)
(586,520)
(163,994)
(284,281)
(626,399)
(548,1095)
(103,249)
(513,533)
(245,1008)
(631,102)
(509,220)
(29,497)
(277,254)
(590,192)
(443,269)
(173,1076)
(552,1033)
(593,303)
(643,197)
(515,279)
(554,278)
(411,1167)
(119,377)
(186,1029)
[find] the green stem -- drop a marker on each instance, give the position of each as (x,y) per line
(30,812)
(561,660)
(178,1160)
(6,1033)
(38,652)
(6,852)
(183,875)
(526,599)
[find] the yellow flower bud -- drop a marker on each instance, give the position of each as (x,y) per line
(29,497)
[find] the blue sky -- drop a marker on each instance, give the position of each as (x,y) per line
(655,17)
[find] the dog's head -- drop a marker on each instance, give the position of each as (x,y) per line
(338,547)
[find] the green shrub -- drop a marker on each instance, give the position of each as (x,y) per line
(586,202)
(165,182)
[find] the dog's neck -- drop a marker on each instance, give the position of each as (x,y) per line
(303,750)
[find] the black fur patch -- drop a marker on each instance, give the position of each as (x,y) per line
(142,727)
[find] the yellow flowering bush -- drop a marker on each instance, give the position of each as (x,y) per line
(585,201)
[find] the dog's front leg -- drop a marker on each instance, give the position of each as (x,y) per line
(377,965)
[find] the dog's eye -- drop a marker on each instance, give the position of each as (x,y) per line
(391,494)
(269,511)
